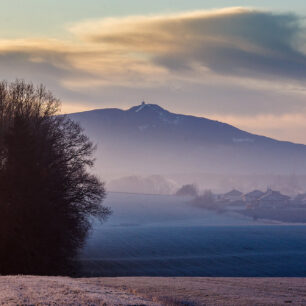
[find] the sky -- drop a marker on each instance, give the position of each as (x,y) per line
(240,62)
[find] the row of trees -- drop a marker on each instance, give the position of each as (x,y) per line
(47,194)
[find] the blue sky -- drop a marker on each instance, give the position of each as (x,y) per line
(242,62)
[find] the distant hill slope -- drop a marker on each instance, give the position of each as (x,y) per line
(147,139)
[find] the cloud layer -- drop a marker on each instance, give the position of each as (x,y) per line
(231,63)
(234,41)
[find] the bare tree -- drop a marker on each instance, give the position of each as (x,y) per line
(187,190)
(206,200)
(47,194)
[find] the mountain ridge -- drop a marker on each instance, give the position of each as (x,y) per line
(136,109)
(149,134)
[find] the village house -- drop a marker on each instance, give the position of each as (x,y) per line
(250,199)
(300,199)
(252,196)
(232,196)
(272,199)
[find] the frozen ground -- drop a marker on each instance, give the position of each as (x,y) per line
(27,290)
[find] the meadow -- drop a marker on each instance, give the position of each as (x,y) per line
(152,235)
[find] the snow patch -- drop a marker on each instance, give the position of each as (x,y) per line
(241,140)
(143,105)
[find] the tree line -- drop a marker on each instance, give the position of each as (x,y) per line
(47,193)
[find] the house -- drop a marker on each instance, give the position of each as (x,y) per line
(252,196)
(300,199)
(233,196)
(272,199)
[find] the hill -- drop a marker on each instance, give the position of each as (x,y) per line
(147,139)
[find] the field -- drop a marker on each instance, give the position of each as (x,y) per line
(27,290)
(159,250)
(151,235)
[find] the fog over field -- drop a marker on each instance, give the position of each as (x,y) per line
(164,236)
